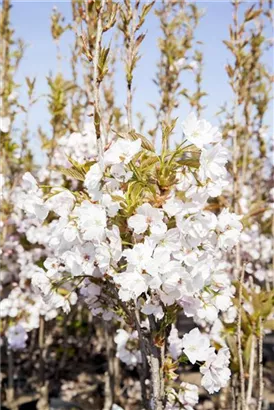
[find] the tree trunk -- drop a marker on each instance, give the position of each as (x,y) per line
(155,365)
(156,369)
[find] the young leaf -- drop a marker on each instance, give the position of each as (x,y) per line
(72,173)
(146,144)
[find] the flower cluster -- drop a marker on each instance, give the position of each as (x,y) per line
(140,233)
(196,346)
(184,399)
(21,307)
(126,347)
(28,242)
(17,337)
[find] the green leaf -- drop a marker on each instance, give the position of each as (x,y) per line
(193,163)
(231,341)
(183,359)
(135,191)
(229,45)
(266,308)
(117,198)
(72,173)
(190,148)
(146,144)
(86,166)
(252,14)
(247,350)
(149,162)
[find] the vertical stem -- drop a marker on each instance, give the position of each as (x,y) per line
(234,391)
(143,368)
(117,375)
(239,340)
(96,80)
(156,377)
(239,275)
(252,358)
(43,400)
(109,375)
(235,118)
(156,366)
(129,63)
(162,353)
(10,389)
(107,392)
(41,349)
(251,371)
(129,81)
(129,106)
(260,354)
(5,49)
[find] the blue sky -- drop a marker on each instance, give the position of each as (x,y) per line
(31,21)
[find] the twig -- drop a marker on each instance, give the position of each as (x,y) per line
(261,368)
(251,359)
(43,400)
(96,80)
(5,51)
(130,57)
(143,369)
(10,389)
(41,338)
(239,340)
(162,353)
(251,371)
(109,375)
(235,121)
(156,369)
(234,391)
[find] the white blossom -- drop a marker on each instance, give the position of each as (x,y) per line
(61,203)
(199,132)
(129,356)
(147,217)
(175,344)
(196,345)
(212,163)
(93,180)
(17,337)
(215,370)
(5,124)
(122,151)
(91,221)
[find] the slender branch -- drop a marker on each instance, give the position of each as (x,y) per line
(96,80)
(239,340)
(41,343)
(251,371)
(156,381)
(143,369)
(156,369)
(5,50)
(235,120)
(43,399)
(234,391)
(10,389)
(130,58)
(162,355)
(109,375)
(251,359)
(260,354)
